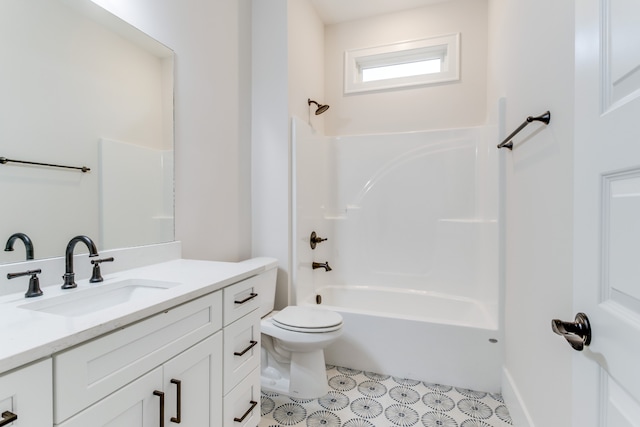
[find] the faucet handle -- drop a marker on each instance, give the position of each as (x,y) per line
(34,283)
(314,239)
(97,276)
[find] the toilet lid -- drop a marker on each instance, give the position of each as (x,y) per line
(307,319)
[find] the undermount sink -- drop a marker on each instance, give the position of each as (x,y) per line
(105,296)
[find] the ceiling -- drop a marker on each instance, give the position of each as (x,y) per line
(334,11)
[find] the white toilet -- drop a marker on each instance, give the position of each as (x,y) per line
(293,342)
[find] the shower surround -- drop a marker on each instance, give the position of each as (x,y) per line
(412,240)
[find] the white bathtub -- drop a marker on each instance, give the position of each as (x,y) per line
(415,334)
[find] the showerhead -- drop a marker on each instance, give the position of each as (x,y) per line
(321,108)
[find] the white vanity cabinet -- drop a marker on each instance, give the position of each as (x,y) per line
(25,396)
(130,376)
(242,354)
(191,357)
(193,374)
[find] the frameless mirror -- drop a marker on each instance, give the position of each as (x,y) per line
(82,88)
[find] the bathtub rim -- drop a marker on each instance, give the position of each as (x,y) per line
(490,320)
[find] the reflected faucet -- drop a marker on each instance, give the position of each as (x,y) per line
(69,275)
(28,245)
(324,265)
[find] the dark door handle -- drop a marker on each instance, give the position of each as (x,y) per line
(577,333)
(7,418)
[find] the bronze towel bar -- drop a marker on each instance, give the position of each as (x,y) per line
(544,118)
(4,160)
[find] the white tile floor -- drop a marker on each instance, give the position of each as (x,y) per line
(365,399)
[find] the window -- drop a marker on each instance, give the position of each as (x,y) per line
(418,62)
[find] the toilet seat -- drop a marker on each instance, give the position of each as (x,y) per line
(307,319)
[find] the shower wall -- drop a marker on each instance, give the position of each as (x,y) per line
(453,105)
(413,210)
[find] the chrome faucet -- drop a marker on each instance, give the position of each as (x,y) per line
(69,275)
(324,265)
(28,245)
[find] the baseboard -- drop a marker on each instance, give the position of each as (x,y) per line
(513,400)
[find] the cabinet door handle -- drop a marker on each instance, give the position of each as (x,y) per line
(246,414)
(177,418)
(241,419)
(8,417)
(251,296)
(241,353)
(161,395)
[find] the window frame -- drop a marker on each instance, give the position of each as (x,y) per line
(446,47)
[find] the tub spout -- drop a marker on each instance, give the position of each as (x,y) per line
(324,265)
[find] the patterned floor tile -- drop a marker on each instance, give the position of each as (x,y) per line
(367,399)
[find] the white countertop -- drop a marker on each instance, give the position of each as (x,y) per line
(28,335)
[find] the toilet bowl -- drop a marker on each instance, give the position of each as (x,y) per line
(292,359)
(293,342)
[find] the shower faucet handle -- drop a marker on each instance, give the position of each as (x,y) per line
(315,239)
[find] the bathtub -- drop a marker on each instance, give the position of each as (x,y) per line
(415,334)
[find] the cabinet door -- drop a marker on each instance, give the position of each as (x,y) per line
(197,375)
(135,405)
(26,394)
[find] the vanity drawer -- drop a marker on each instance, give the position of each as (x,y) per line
(25,395)
(241,349)
(240,299)
(87,373)
(242,404)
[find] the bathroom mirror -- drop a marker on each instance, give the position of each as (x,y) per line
(82,88)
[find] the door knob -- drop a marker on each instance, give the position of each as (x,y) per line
(577,333)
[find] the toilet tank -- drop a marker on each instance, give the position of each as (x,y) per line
(266,286)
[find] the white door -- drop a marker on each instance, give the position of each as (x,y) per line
(606,375)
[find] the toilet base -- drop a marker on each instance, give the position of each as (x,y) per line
(308,371)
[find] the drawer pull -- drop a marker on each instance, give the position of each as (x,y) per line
(241,353)
(241,419)
(178,417)
(161,396)
(251,296)
(8,417)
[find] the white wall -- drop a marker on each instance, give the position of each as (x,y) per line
(288,69)
(211,40)
(531,65)
(270,139)
(306,62)
(438,106)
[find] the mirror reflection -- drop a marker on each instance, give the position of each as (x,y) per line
(82,88)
